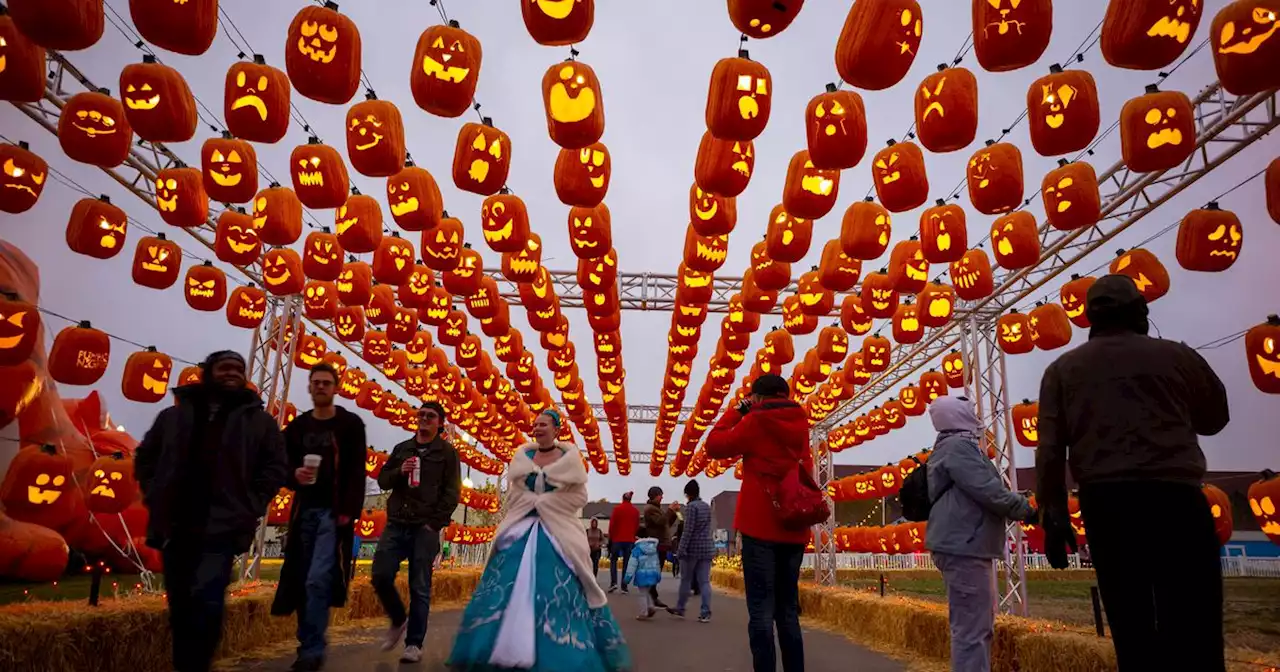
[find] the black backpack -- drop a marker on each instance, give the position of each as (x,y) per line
(914,494)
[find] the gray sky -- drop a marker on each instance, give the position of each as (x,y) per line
(654,60)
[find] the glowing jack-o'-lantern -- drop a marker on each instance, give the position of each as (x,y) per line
(464,279)
(971,275)
(22,176)
(787,237)
(481,158)
(739,99)
(236,241)
(1073,295)
(836,129)
(1220,507)
(724,167)
(1209,239)
(156,262)
(879,299)
(943,234)
(349,322)
(1071,196)
(994,175)
(1063,111)
(111,487)
(1026,419)
(184,28)
(393,260)
(1013,333)
(375,137)
(446,67)
(19,331)
(205,287)
(403,325)
(22,79)
(246,307)
(855,373)
(256,101)
(815,299)
(953,369)
(574,104)
(382,304)
(321,256)
(281,508)
(705,254)
(1145,270)
(1244,46)
(230,169)
(937,304)
(912,401)
(907,328)
(1262,349)
(277,215)
(181,197)
(322,54)
(39,487)
(558,22)
(711,215)
(282,271)
(837,271)
(157,101)
(146,377)
(358,223)
(1264,495)
(899,175)
(591,231)
(350,382)
(582,175)
(414,199)
(1011,34)
(759,19)
(525,266)
(1157,130)
(320,300)
(1015,240)
(1148,34)
(66,25)
(79,355)
(853,317)
(1049,325)
(875,353)
(453,328)
(934,384)
(769,274)
(96,228)
(865,230)
(908,269)
(946,107)
(372,523)
(92,129)
(879,42)
(377,348)
(319,176)
(809,192)
(794,319)
(599,274)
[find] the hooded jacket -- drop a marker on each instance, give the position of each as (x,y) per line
(771,438)
(624,522)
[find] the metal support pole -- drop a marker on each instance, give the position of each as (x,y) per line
(824,542)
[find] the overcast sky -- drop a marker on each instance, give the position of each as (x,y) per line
(654,60)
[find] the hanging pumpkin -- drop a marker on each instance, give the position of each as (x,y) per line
(1243,49)
(181,197)
(875,353)
(319,176)
(759,19)
(943,234)
(349,321)
(1148,34)
(92,129)
(464,279)
(382,304)
(372,523)
(393,260)
(1074,295)
(574,104)
(236,240)
(19,331)
(1062,111)
(879,42)
(321,256)
(899,175)
(853,317)
(322,54)
(282,271)
(157,101)
(555,24)
(375,137)
(359,224)
(913,406)
(145,380)
(65,25)
(769,274)
(525,267)
(1011,34)
(937,304)
(908,269)
(256,100)
(156,262)
(205,287)
(1071,196)
(39,488)
(481,158)
(1157,130)
(1145,269)
(946,106)
(808,191)
(1015,240)
(96,228)
(1262,350)
(581,176)
(794,319)
(705,254)
(1014,333)
(230,169)
(1049,326)
(22,176)
(953,369)
(907,328)
(994,175)
(971,276)
(277,215)
(934,384)
(414,199)
(591,232)
(1220,507)
(879,299)
(837,272)
(246,307)
(815,299)
(79,355)
(446,67)
(1263,497)
(320,300)
(787,237)
(865,230)
(739,99)
(711,215)
(22,80)
(1209,239)
(597,275)
(1026,420)
(724,167)
(836,129)
(181,28)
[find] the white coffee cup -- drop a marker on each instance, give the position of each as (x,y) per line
(312,462)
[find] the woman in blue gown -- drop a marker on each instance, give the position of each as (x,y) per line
(538,605)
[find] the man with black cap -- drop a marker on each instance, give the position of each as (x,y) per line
(770,432)
(1123,412)
(208,467)
(655,520)
(425,483)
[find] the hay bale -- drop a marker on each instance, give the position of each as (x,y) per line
(1065,652)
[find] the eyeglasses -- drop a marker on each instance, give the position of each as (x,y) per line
(429,415)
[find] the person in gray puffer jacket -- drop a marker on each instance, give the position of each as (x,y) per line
(967,528)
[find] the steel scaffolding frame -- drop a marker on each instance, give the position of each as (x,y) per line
(645,414)
(824,538)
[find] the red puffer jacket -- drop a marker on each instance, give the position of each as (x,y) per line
(771,438)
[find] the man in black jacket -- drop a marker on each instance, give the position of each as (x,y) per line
(330,496)
(207,468)
(415,516)
(1123,411)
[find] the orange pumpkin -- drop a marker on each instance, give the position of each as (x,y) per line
(145,380)
(277,214)
(739,99)
(393,260)
(1008,34)
(1062,111)
(574,104)
(815,299)
(481,158)
(943,233)
(907,328)
(875,353)
(92,129)
(769,274)
(246,307)
(321,256)
(1148,34)
(705,254)
(879,298)
(724,167)
(236,240)
(382,304)
(853,317)
(558,24)
(1071,196)
(759,19)
(754,298)
(794,319)
(79,355)
(282,271)
(349,321)
(1209,239)
(1073,295)
(320,300)
(375,137)
(879,42)
(442,244)
(1013,332)
(65,25)
(205,287)
(946,107)
(446,67)
(157,101)
(1026,421)
(908,269)
(414,199)
(183,28)
(837,271)
(994,176)
(96,228)
(464,279)
(581,176)
(809,192)
(322,54)
(1157,130)
(39,488)
(156,262)
(835,125)
(255,101)
(1015,240)
(1050,327)
(953,372)
(1220,507)
(1262,350)
(230,169)
(591,232)
(181,197)
(971,276)
(711,215)
(22,80)
(1243,49)
(937,304)
(787,237)
(865,230)
(899,175)
(1145,269)
(319,176)
(19,331)
(358,222)
(22,176)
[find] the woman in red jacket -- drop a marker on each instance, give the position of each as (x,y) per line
(771,435)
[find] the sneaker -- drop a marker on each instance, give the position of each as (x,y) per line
(660,604)
(412,654)
(625,591)
(308,664)
(613,589)
(394,634)
(675,612)
(705,618)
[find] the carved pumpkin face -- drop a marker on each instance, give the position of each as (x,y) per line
(205,287)
(465,279)
(19,331)
(937,304)
(282,272)
(788,237)
(705,254)
(377,348)
(414,198)
(22,80)
(1262,349)
(157,102)
(1049,326)
(96,228)
(230,170)
(375,138)
(382,304)
(995,178)
(724,167)
(146,377)
(236,240)
(953,369)
(247,306)
(907,328)
(525,266)
(879,43)
(875,353)
(943,234)
(1071,197)
(320,300)
(1145,269)
(393,260)
(504,220)
(92,129)
(415,291)
(22,175)
(256,101)
(572,99)
(853,318)
(1011,34)
(934,385)
(1148,35)
(468,352)
(809,192)
(711,215)
(836,129)
(760,19)
(971,275)
(815,299)
(481,159)
(319,176)
(38,487)
(453,328)
(1209,239)
(1015,240)
(833,344)
(865,230)
(879,299)
(349,322)
(1064,114)
(322,55)
(598,275)
(590,231)
(1073,296)
(446,67)
(898,172)
(358,223)
(322,256)
(350,381)
(181,197)
(111,485)
(908,269)
(79,355)
(910,397)
(739,99)
(556,23)
(355,284)
(946,109)
(1014,333)
(156,262)
(442,245)
(1157,130)
(1244,43)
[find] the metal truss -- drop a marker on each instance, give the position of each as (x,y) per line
(643,414)
(637,457)
(824,536)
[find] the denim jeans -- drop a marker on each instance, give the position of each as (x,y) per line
(972,611)
(419,544)
(196,575)
(619,549)
(698,571)
(595,562)
(318,533)
(772,574)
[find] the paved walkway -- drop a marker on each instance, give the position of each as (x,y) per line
(665,644)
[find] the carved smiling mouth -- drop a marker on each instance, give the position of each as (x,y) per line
(712,254)
(707,214)
(224,180)
(143,103)
(154,267)
(167,204)
(312,178)
(312,50)
(369,145)
(405,207)
(92,132)
(438,70)
(241,248)
(1223,253)
(917,273)
(1055,120)
(891,178)
(493,234)
(597,181)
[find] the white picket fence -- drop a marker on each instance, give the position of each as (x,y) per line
(1235,566)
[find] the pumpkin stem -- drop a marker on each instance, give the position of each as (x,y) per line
(1273,320)
(49,449)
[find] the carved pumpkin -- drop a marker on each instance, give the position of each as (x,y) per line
(321,256)
(1148,34)
(937,304)
(1050,327)
(354,285)
(1071,196)
(145,380)
(879,42)
(738,100)
(913,406)
(908,269)
(787,237)
(375,137)
(205,287)
(178,27)
(322,54)
(236,240)
(22,80)
(1262,350)
(556,24)
(393,260)
(759,19)
(946,107)
(1013,333)
(591,231)
(79,355)
(319,176)
(282,271)
(994,175)
(65,25)
(836,129)
(350,323)
(157,102)
(230,169)
(1011,34)
(711,215)
(446,67)
(574,104)
(971,276)
(1015,240)
(1220,507)
(22,176)
(724,167)
(382,304)
(481,158)
(815,299)
(1026,420)
(865,230)
(246,307)
(853,318)
(358,223)
(403,325)
(705,254)
(414,198)
(156,262)
(525,266)
(181,197)
(943,234)
(92,129)
(96,228)
(1074,294)
(1242,38)
(1157,130)
(879,299)
(1209,239)
(582,175)
(277,215)
(464,279)
(256,100)
(1273,190)
(769,274)
(1145,269)
(1062,111)
(19,331)
(875,353)
(39,488)
(907,328)
(809,192)
(599,274)
(953,369)
(899,175)
(934,384)
(837,272)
